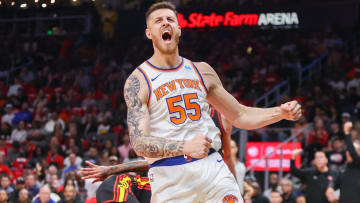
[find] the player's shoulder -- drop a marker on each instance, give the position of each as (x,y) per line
(204,67)
(136,75)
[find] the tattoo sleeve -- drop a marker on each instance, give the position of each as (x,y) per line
(138,124)
(136,166)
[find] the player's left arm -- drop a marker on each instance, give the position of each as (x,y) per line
(239,115)
(225,139)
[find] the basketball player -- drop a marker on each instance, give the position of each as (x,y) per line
(168,100)
(136,193)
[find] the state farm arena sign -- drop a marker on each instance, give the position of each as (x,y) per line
(231,19)
(256,150)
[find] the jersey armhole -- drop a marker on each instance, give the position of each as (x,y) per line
(199,75)
(147,82)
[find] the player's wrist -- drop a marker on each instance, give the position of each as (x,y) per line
(278,111)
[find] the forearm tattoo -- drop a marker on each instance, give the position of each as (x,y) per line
(143,144)
(136,166)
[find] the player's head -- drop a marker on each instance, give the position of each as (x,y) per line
(320,160)
(162,27)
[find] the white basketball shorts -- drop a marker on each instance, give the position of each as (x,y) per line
(207,180)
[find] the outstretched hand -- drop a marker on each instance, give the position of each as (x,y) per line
(99,173)
(291,110)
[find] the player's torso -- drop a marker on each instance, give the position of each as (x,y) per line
(177,102)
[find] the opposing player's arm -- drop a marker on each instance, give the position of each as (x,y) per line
(138,120)
(239,115)
(226,140)
(100,173)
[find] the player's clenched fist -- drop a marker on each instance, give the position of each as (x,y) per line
(291,110)
(198,147)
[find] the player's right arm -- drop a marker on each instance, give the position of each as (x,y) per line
(138,120)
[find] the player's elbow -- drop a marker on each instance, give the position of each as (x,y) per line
(243,121)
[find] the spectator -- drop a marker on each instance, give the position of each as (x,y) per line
(72,166)
(3,196)
(3,146)
(70,195)
(317,180)
(30,184)
(54,157)
(239,166)
(92,155)
(24,196)
(55,183)
(288,195)
(3,167)
(13,90)
(275,197)
(54,120)
(19,185)
(44,195)
(318,136)
(336,154)
(26,75)
(19,134)
(125,148)
(5,131)
(23,115)
(348,180)
(273,185)
(5,184)
(9,115)
(301,199)
(258,196)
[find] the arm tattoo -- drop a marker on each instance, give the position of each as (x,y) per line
(143,144)
(136,166)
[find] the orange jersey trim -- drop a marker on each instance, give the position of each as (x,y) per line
(164,69)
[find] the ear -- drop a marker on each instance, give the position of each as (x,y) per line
(148,33)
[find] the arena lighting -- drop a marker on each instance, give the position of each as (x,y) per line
(36,1)
(230,19)
(74,0)
(23,5)
(52,1)
(43,5)
(0,3)
(13,3)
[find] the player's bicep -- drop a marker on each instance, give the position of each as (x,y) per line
(138,118)
(217,96)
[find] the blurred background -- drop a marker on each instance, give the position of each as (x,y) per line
(63,65)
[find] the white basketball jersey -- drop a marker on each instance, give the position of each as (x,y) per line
(177,103)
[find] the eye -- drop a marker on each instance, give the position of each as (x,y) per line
(171,20)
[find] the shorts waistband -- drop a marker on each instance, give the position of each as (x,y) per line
(176,160)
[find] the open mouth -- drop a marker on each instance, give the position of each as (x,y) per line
(166,36)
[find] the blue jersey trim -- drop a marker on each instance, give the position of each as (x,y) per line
(173,161)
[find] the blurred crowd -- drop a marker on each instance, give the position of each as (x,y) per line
(66,104)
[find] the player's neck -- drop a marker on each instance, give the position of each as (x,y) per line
(166,60)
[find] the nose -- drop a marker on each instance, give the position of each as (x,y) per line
(165,23)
